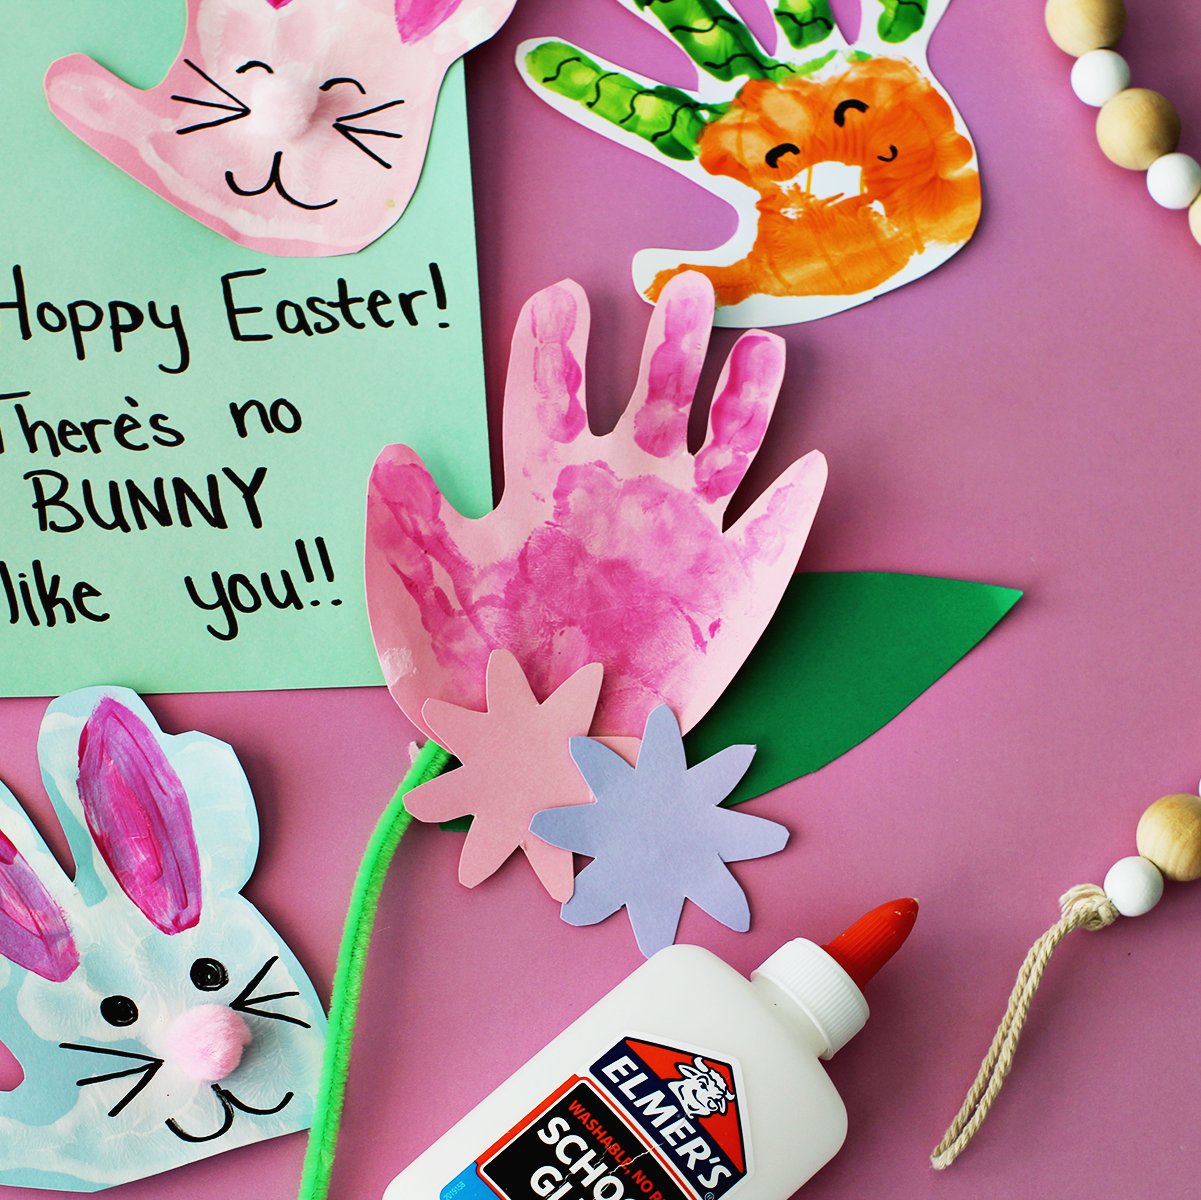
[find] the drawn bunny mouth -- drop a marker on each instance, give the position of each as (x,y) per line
(274,182)
(229,1103)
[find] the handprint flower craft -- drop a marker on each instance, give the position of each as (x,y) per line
(294,127)
(850,169)
(606,549)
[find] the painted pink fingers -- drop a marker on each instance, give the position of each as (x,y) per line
(604,549)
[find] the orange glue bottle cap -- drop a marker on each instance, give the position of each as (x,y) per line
(867,945)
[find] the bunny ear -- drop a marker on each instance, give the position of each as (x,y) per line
(472,23)
(417,19)
(138,815)
(33,929)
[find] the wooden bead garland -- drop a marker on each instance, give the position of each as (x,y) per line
(1137,129)
(1169,847)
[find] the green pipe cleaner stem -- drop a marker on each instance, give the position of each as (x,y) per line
(347,989)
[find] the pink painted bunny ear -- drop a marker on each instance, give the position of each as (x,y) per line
(33,929)
(459,26)
(138,815)
(417,19)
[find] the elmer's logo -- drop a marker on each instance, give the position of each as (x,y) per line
(688,1106)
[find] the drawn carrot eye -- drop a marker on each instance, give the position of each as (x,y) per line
(890,156)
(840,113)
(773,156)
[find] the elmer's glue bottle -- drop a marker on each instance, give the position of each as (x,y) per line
(686,1082)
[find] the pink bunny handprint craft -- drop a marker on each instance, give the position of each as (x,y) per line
(295,127)
(606,549)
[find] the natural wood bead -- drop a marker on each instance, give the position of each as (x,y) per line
(1194,220)
(1078,26)
(1136,127)
(1169,834)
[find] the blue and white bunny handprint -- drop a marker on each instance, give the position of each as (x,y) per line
(157,1017)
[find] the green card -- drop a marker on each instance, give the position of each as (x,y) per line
(182,486)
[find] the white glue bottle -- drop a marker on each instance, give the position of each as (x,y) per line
(686,1082)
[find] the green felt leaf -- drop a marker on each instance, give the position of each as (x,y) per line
(843,655)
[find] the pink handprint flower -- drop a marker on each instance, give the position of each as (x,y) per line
(294,127)
(603,549)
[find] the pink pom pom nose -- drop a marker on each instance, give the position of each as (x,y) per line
(207,1042)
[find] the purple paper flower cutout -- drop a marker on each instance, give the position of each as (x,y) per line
(657,836)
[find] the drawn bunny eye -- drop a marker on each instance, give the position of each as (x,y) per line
(119,1011)
(329,83)
(208,975)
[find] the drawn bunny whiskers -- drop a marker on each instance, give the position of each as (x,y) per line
(156,1015)
(294,127)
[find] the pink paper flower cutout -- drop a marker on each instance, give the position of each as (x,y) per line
(607,549)
(293,127)
(516,762)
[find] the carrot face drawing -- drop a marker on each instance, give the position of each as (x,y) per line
(848,166)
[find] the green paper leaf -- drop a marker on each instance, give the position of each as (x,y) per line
(843,655)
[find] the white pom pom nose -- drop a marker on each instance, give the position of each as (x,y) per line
(282,106)
(207,1042)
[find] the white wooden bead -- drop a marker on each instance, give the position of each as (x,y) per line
(1099,75)
(1134,885)
(1174,180)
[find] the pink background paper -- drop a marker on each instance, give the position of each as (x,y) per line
(1027,415)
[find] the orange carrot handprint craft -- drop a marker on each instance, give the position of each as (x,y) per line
(849,168)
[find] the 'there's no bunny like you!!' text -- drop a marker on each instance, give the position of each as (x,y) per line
(192,466)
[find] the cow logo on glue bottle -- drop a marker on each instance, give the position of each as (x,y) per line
(685,1104)
(701,1090)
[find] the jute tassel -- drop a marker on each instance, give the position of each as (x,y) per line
(1084,906)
